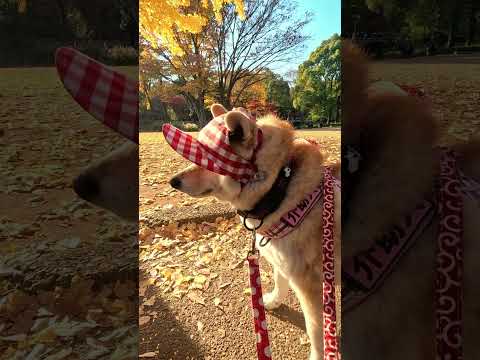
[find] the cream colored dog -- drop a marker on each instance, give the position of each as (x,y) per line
(396,135)
(296,258)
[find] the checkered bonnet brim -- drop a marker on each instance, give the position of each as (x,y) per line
(211,151)
(107,95)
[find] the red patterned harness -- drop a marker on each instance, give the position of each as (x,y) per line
(365,272)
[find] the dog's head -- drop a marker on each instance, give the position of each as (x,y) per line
(393,134)
(263,144)
(112,182)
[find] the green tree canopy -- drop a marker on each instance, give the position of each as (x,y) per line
(278,93)
(317,87)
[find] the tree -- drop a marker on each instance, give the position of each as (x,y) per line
(317,87)
(421,19)
(247,93)
(161,20)
(269,35)
(278,93)
(171,32)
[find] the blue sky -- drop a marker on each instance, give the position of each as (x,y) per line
(326,21)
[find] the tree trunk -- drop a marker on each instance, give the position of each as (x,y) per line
(223,97)
(470,19)
(200,110)
(454,12)
(451,33)
(162,112)
(197,106)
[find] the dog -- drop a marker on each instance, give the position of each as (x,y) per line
(395,136)
(296,258)
(111,182)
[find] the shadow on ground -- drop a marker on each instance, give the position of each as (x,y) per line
(292,316)
(163,337)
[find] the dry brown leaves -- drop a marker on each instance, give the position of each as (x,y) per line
(77,320)
(176,258)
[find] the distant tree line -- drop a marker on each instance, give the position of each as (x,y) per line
(30,30)
(444,23)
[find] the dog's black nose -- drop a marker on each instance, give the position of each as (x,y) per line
(176,183)
(86,187)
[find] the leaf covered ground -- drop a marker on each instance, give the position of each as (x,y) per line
(61,296)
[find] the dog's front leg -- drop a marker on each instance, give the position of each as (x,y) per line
(274,299)
(310,298)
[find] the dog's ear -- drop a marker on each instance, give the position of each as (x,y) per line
(217,110)
(241,131)
(240,127)
(243,110)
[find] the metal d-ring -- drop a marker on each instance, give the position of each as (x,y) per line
(264,241)
(251,228)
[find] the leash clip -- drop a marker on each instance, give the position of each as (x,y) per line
(353,158)
(253,230)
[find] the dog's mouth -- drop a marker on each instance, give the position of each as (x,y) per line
(200,194)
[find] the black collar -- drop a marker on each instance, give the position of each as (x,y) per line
(271,201)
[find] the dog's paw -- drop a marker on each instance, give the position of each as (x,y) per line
(271,301)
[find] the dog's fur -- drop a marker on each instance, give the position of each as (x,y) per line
(396,135)
(296,258)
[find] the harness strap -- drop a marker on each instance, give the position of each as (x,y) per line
(363,274)
(449,263)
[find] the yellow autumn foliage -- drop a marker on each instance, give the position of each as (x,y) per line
(159,19)
(21,6)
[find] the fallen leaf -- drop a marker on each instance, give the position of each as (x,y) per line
(224,285)
(237,264)
(196,298)
(62,354)
(70,243)
(150,354)
(200,279)
(143,320)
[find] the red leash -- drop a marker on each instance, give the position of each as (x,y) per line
(259,319)
(330,346)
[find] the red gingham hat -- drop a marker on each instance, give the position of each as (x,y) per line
(212,150)
(106,94)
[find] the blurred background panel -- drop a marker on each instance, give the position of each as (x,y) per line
(68,269)
(431,50)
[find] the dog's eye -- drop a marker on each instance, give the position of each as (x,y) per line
(236,135)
